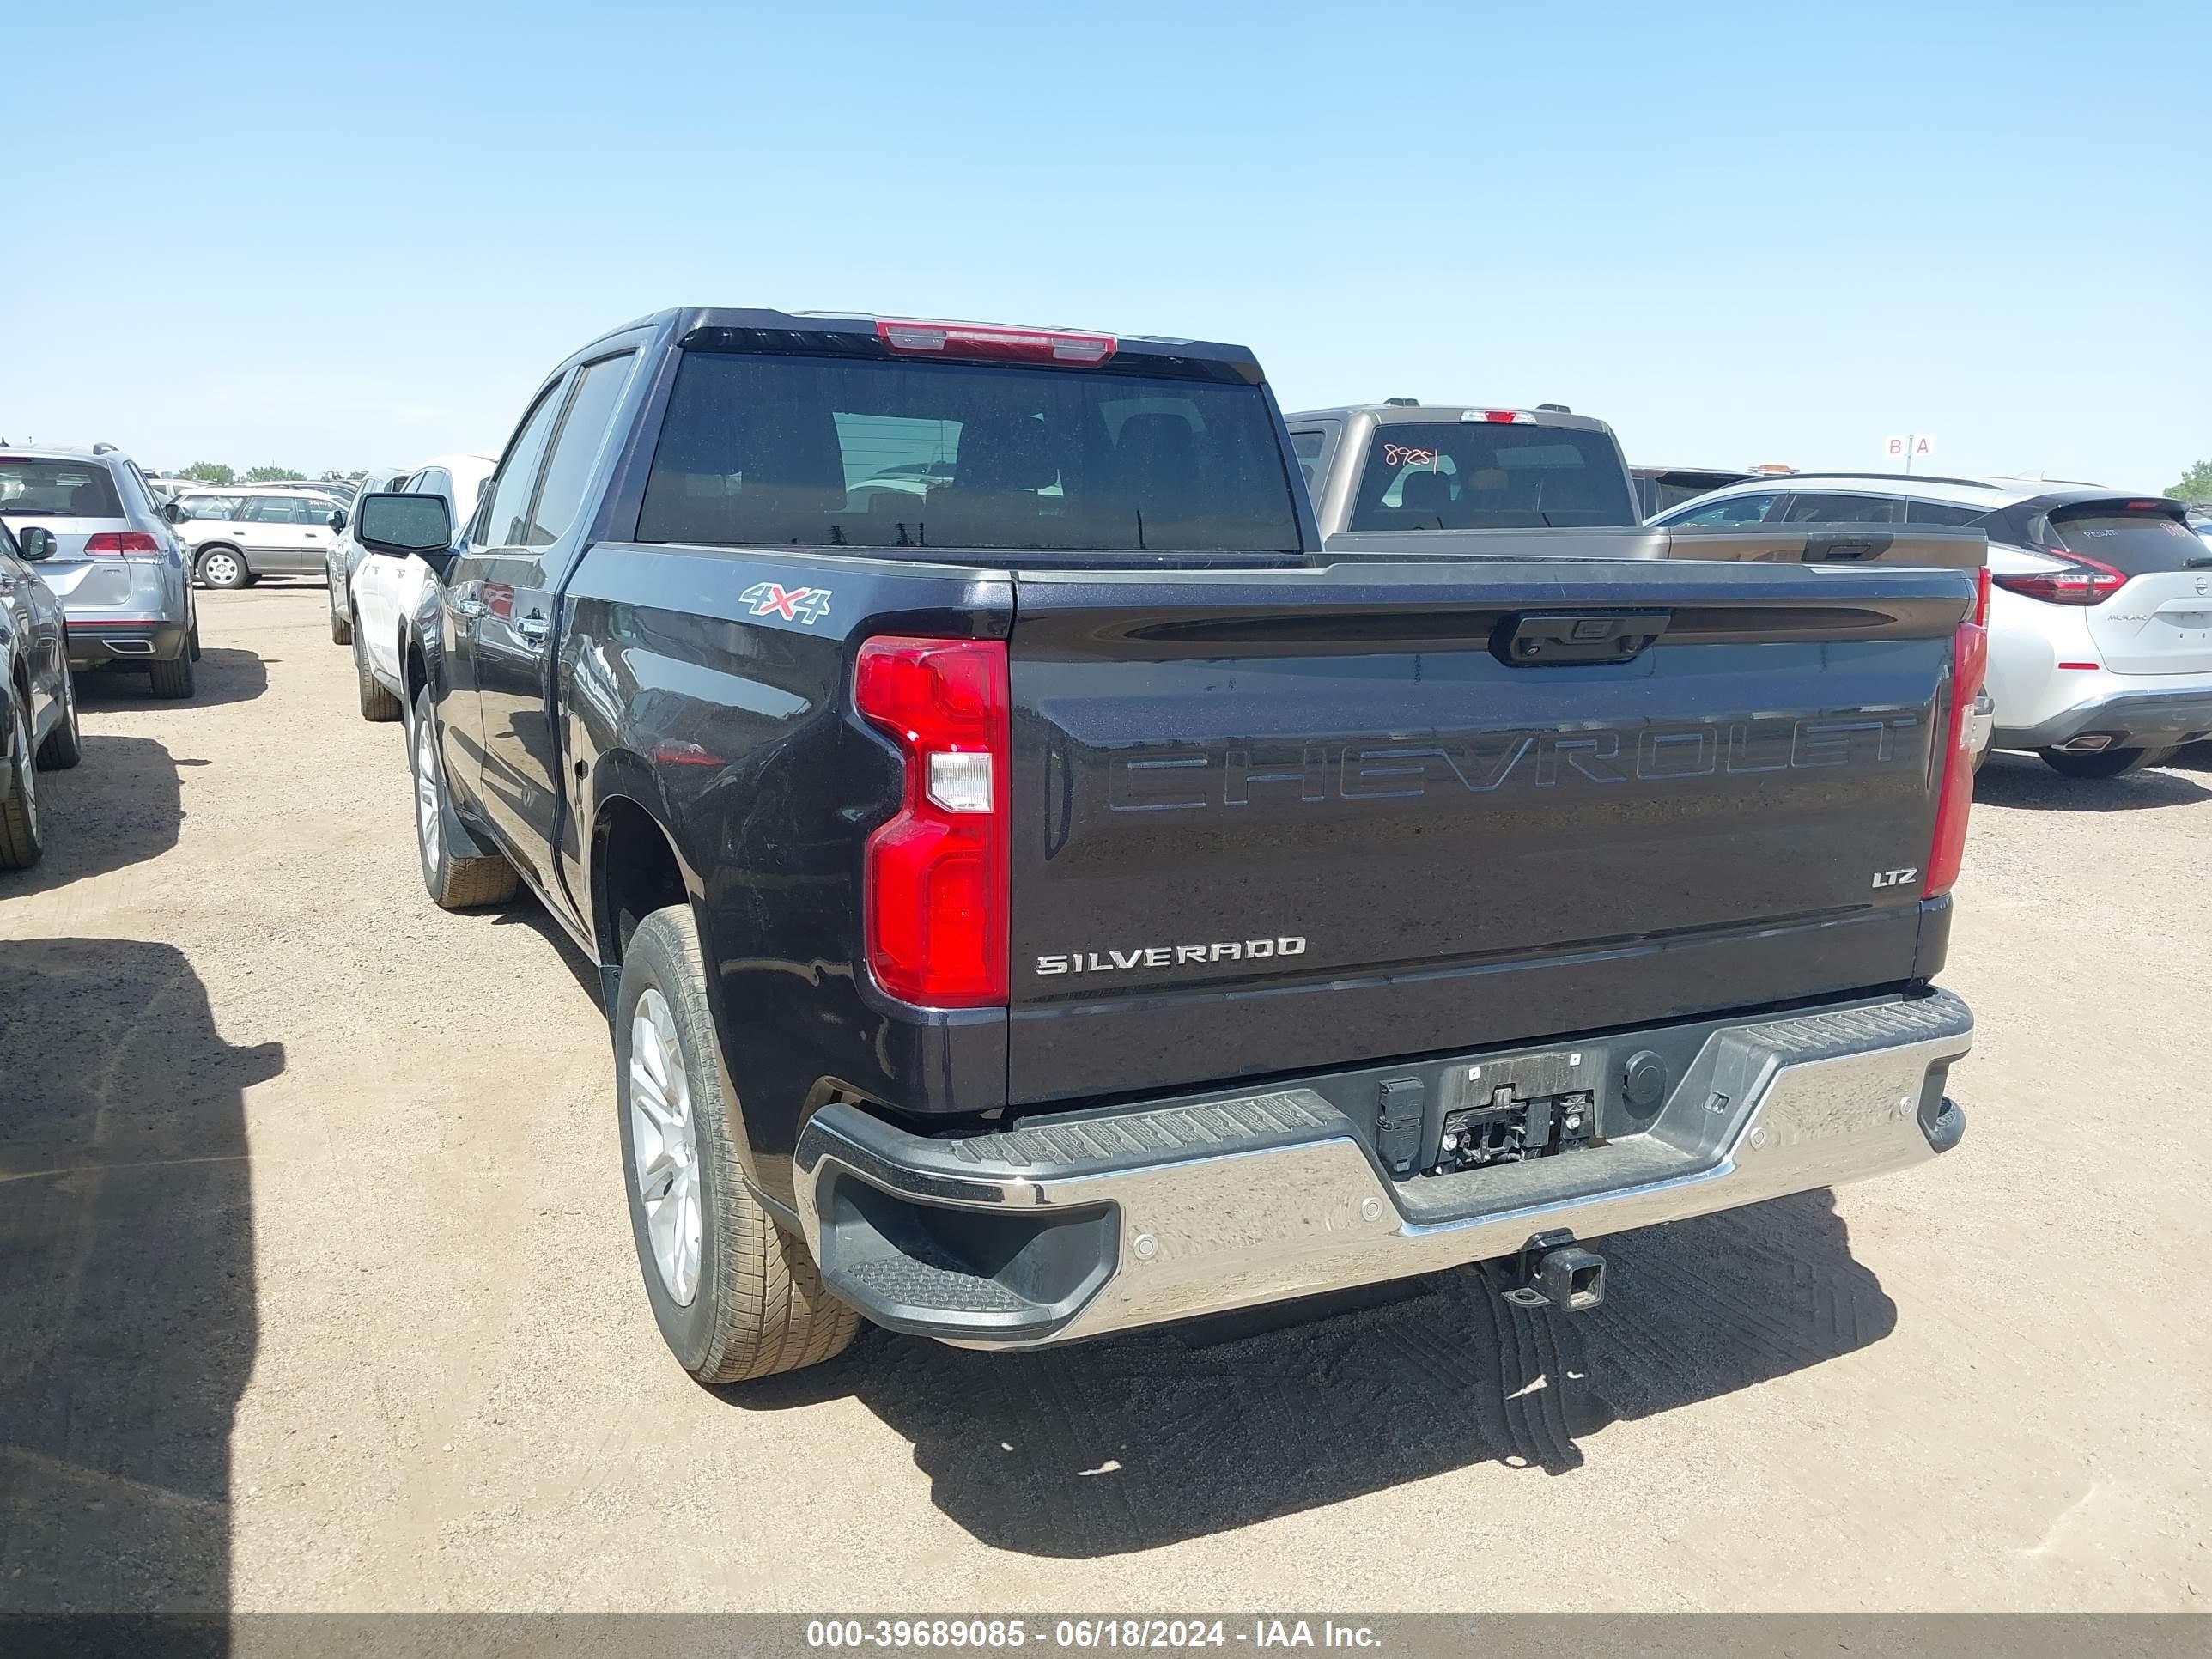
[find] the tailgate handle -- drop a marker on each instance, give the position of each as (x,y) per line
(1537,642)
(1819,550)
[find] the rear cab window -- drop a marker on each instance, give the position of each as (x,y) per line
(769,448)
(2136,538)
(1462,474)
(57,489)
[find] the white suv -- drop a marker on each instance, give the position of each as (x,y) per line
(2100,608)
(388,594)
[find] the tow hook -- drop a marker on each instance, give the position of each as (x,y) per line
(1553,1271)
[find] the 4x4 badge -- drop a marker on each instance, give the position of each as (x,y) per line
(806,604)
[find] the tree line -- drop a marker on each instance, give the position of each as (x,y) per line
(215,472)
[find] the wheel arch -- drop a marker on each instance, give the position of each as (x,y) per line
(636,866)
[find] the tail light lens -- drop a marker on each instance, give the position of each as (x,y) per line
(123,544)
(1969,658)
(2084,581)
(937,875)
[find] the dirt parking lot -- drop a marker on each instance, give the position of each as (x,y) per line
(317,1290)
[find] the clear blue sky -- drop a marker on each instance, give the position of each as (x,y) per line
(340,236)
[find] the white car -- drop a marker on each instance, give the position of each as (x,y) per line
(388,594)
(241,533)
(2100,603)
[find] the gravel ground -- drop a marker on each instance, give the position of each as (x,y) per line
(316,1292)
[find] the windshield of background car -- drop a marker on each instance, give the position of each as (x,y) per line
(2135,542)
(57,489)
(764,448)
(1490,476)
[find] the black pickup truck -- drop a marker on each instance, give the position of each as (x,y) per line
(1039,892)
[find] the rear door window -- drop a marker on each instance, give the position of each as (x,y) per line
(1810,509)
(1736,509)
(1484,475)
(2136,541)
(1945,513)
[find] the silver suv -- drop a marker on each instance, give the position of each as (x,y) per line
(116,564)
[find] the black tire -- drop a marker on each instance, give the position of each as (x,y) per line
(192,639)
(2101,762)
(64,746)
(172,676)
(21,842)
(341,627)
(758,1306)
(376,702)
(231,571)
(453,884)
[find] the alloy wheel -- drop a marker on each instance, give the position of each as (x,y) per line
(665,1146)
(27,774)
(428,822)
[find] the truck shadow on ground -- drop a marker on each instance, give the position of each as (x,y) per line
(126,1278)
(221,674)
(122,803)
(2024,780)
(1126,1446)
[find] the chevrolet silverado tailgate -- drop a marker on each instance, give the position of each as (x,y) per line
(1271,819)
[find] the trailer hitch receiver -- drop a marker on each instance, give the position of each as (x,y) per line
(1553,1271)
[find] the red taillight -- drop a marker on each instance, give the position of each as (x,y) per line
(123,544)
(1500,416)
(1970,657)
(937,875)
(1982,596)
(1071,348)
(2084,581)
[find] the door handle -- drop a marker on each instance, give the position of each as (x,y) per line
(534,629)
(471,607)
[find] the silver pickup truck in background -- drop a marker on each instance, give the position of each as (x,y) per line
(1409,481)
(1449,480)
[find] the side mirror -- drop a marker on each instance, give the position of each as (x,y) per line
(403,525)
(37,545)
(171,513)
(339,519)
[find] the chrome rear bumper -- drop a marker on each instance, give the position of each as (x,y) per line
(1066,1229)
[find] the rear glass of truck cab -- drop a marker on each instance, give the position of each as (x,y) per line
(766,448)
(1491,475)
